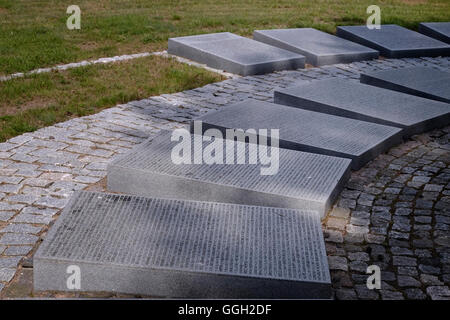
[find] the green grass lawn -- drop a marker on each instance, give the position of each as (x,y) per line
(33,34)
(29,103)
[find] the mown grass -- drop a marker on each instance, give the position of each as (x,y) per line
(27,104)
(33,33)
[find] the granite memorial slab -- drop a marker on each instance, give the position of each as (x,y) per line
(423,82)
(349,99)
(318,47)
(235,54)
(394,41)
(437,30)
(183,249)
(308,131)
(298,180)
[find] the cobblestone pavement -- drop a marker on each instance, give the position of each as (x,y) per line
(395,212)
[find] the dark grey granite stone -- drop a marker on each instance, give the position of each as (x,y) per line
(368,103)
(423,82)
(184,249)
(437,30)
(235,54)
(302,181)
(308,131)
(394,41)
(318,47)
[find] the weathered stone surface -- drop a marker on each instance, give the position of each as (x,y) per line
(308,131)
(394,41)
(154,247)
(439,292)
(318,47)
(368,103)
(303,180)
(424,82)
(18,250)
(338,263)
(6,274)
(436,30)
(235,54)
(18,238)
(9,262)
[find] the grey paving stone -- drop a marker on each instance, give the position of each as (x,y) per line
(318,47)
(415,294)
(394,41)
(439,292)
(51,202)
(423,82)
(303,180)
(31,218)
(338,263)
(436,30)
(346,294)
(404,261)
(9,262)
(365,293)
(10,188)
(6,274)
(407,281)
(410,271)
(306,130)
(242,251)
(18,250)
(391,295)
(6,215)
(40,211)
(18,238)
(359,256)
(346,98)
(430,280)
(21,228)
(235,54)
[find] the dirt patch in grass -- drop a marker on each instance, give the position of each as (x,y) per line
(36,103)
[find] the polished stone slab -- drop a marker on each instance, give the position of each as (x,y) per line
(436,30)
(355,100)
(394,41)
(301,180)
(424,82)
(308,131)
(235,54)
(318,47)
(183,249)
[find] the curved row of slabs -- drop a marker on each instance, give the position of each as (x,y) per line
(285,49)
(226,231)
